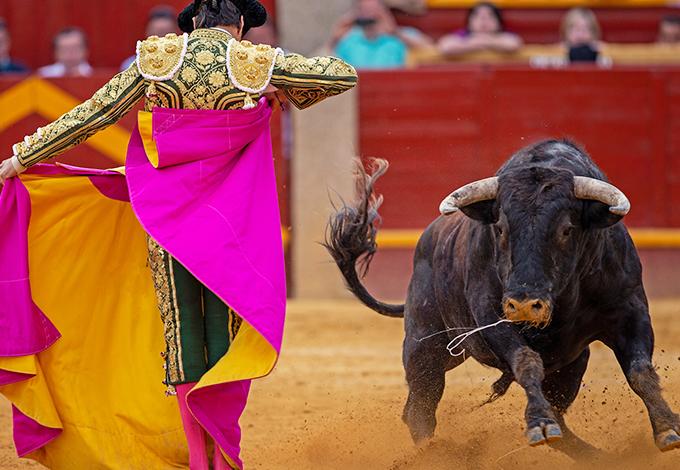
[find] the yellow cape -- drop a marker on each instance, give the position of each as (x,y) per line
(88,272)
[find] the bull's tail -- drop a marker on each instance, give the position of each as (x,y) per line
(350,237)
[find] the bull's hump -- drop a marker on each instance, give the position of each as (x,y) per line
(556,154)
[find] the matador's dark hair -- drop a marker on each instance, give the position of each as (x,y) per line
(210,13)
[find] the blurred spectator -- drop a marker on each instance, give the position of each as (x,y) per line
(7,64)
(71,49)
(162,19)
(369,37)
(484,31)
(669,30)
(580,34)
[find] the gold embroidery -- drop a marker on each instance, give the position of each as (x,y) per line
(159,98)
(249,65)
(203,83)
(205,57)
(304,81)
(158,57)
(234,324)
(189,75)
(160,264)
(217,79)
(157,62)
(307,81)
(105,107)
(177,337)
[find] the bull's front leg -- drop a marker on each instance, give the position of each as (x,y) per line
(507,345)
(542,426)
(633,346)
(644,381)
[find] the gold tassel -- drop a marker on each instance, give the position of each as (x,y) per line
(248,102)
(151,91)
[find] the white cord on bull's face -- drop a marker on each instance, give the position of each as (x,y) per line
(458,340)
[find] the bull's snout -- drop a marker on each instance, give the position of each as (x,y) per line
(535,311)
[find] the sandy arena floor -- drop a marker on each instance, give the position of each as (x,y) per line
(335,398)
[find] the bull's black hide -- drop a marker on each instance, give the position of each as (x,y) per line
(534,247)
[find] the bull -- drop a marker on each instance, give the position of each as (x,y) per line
(537,260)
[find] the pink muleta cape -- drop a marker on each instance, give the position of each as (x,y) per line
(202,184)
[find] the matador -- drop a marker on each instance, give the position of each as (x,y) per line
(199,179)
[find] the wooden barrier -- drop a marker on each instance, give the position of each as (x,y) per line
(644,238)
(552,56)
(443,127)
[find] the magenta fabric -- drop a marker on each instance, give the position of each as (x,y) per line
(218,408)
(24,328)
(108,182)
(216,212)
(29,435)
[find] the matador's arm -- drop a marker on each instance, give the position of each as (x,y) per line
(307,81)
(109,104)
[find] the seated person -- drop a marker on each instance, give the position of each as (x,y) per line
(580,35)
(369,37)
(669,30)
(70,48)
(7,63)
(162,20)
(484,31)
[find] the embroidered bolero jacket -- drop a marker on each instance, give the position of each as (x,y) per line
(207,69)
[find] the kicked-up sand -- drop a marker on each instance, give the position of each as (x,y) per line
(335,398)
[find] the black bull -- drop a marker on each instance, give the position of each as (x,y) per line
(542,245)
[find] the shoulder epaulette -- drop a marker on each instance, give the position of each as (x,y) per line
(159,59)
(250,67)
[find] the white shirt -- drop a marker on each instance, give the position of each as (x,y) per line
(59,70)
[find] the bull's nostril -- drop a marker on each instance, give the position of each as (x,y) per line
(537,306)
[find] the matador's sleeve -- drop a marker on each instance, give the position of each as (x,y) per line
(307,81)
(109,104)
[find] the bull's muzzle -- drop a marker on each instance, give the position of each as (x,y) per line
(534,311)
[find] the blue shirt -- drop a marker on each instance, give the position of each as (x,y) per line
(382,51)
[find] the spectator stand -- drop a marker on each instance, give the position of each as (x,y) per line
(470,113)
(629,30)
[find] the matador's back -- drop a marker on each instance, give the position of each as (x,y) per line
(207,69)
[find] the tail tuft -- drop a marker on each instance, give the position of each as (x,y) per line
(351,232)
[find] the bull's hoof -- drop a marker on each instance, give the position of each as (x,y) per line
(543,434)
(667,440)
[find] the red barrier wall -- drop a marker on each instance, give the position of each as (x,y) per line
(444,127)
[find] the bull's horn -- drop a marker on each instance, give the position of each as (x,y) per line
(482,190)
(591,188)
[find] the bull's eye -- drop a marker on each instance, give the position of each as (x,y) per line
(567,231)
(499,230)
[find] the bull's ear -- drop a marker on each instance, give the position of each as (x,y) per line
(482,211)
(596,215)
